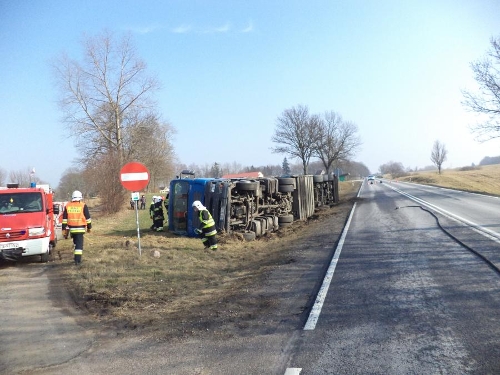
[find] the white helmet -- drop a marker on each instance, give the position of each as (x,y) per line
(198,205)
(76,196)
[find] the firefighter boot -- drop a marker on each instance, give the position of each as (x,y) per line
(78,260)
(78,256)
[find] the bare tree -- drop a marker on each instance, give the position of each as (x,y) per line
(107,104)
(296,134)
(487,101)
(103,96)
(438,154)
(337,139)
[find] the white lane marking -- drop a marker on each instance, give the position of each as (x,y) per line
(320,298)
(293,371)
(475,227)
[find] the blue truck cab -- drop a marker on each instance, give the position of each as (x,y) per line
(183,192)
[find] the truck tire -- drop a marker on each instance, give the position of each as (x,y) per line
(286,180)
(286,188)
(44,258)
(249,236)
(247,186)
(285,219)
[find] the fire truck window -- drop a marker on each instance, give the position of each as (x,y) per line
(33,202)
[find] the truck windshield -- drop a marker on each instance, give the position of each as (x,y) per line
(179,198)
(20,202)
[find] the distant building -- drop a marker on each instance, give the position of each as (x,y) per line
(244,175)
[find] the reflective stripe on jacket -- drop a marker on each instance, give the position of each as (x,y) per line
(76,217)
(207,223)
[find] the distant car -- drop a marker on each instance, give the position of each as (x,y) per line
(371,179)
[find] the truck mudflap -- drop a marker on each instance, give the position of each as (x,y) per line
(11,255)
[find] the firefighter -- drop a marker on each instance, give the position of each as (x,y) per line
(207,230)
(76,221)
(156,213)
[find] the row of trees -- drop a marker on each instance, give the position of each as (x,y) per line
(285,169)
(328,137)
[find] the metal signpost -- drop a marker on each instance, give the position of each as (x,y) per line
(134,176)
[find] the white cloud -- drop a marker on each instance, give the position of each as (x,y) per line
(145,29)
(182,29)
(223,29)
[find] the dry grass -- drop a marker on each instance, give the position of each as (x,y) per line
(117,284)
(484,179)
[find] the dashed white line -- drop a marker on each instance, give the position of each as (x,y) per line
(293,371)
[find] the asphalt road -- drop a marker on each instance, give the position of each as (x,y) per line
(405,297)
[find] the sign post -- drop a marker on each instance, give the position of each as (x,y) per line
(134,176)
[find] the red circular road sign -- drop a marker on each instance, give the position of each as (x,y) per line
(134,176)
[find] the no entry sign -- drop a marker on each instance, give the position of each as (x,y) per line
(134,176)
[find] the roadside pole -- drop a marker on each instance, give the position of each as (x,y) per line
(134,176)
(135,198)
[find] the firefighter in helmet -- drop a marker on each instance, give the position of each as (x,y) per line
(207,230)
(156,213)
(76,221)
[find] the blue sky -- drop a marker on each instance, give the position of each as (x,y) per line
(229,68)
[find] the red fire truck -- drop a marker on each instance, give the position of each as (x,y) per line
(27,222)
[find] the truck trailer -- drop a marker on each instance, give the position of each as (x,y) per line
(252,207)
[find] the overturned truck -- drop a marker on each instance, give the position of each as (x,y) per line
(252,207)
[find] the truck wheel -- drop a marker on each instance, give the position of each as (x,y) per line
(249,236)
(44,258)
(286,180)
(285,219)
(285,188)
(247,186)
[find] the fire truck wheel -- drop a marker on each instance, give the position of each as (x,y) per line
(44,258)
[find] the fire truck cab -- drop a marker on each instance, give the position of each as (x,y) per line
(27,222)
